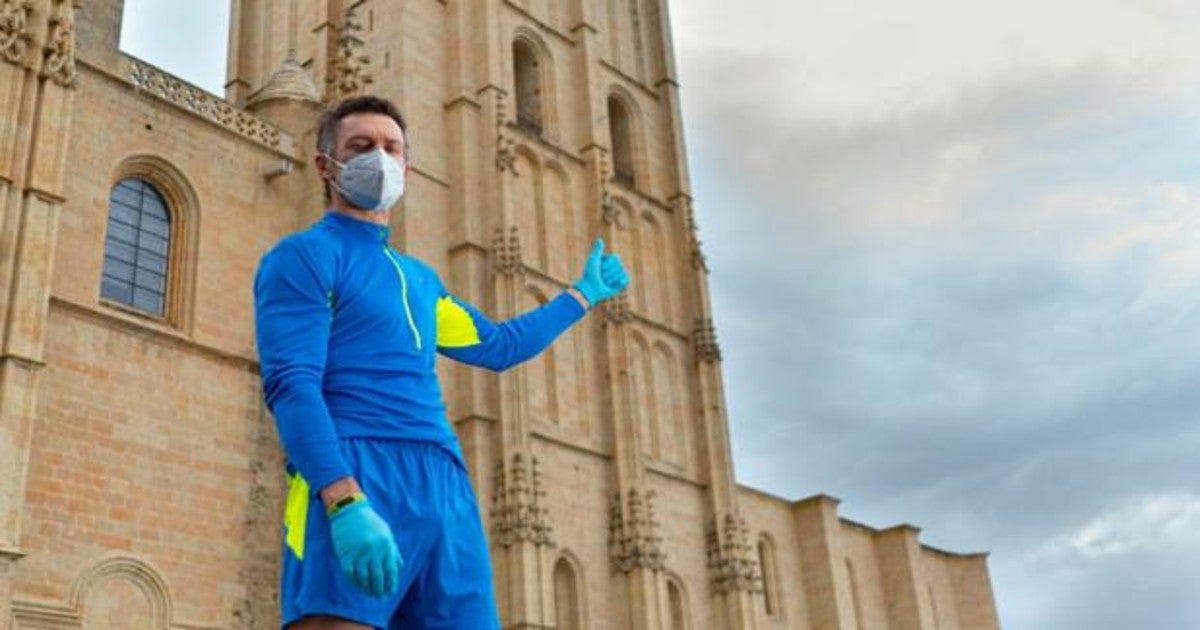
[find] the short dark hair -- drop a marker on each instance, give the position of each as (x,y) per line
(330,120)
(328,127)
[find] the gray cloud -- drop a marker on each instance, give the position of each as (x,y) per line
(977,316)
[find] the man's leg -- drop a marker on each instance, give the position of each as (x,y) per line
(455,591)
(313,584)
(321,622)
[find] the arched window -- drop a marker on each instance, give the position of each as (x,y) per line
(568,612)
(766,562)
(620,127)
(676,607)
(855,596)
(137,246)
(528,87)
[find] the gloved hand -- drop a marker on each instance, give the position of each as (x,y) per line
(603,275)
(366,548)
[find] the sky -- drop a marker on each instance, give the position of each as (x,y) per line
(955,253)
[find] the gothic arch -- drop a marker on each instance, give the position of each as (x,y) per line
(855,595)
(559,213)
(678,612)
(768,566)
(184,208)
(570,592)
(534,77)
(644,395)
(526,188)
(626,139)
(670,415)
(658,268)
(541,387)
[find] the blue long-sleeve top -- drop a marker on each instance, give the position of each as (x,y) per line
(347,330)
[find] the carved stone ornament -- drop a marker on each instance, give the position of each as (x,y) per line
(616,310)
(698,260)
(506,156)
(633,538)
(608,209)
(58,63)
(517,512)
(348,74)
(704,341)
(506,252)
(289,82)
(731,562)
(153,81)
(14,30)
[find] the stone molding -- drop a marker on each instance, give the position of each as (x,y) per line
(517,511)
(140,573)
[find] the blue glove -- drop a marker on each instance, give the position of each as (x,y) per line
(366,548)
(603,275)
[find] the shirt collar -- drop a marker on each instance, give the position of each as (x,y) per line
(349,225)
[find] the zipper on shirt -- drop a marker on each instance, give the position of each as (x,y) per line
(404,295)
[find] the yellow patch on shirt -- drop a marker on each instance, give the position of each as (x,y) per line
(455,327)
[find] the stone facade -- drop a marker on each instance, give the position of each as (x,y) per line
(140,476)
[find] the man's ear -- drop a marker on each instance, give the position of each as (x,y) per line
(321,162)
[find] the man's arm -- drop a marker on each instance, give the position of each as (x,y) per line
(466,335)
(293,311)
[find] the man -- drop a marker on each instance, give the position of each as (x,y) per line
(382,528)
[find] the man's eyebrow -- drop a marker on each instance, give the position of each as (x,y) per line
(368,138)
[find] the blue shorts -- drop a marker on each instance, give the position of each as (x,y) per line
(423,492)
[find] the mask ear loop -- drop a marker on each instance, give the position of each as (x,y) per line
(333,181)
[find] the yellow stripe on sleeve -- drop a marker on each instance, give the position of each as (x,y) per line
(455,327)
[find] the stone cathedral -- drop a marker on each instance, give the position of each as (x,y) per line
(140,476)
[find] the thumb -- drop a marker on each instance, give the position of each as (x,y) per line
(598,248)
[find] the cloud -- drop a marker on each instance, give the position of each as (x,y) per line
(973,311)
(1142,525)
(866,60)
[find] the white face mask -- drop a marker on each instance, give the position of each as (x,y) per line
(372,181)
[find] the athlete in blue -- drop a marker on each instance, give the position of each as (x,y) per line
(381,527)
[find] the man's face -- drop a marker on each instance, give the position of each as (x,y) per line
(361,133)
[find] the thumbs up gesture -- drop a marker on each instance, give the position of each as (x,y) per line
(603,275)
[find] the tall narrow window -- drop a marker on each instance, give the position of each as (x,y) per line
(567,611)
(855,596)
(766,562)
(528,87)
(676,606)
(136,247)
(621,130)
